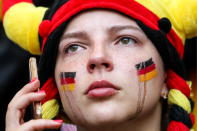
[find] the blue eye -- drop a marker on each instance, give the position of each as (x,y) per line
(73,49)
(127,41)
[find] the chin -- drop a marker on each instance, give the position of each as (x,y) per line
(107,116)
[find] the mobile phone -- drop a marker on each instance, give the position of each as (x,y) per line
(37,108)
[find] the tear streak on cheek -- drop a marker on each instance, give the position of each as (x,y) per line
(146,70)
(67,80)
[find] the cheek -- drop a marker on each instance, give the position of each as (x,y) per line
(66,86)
(70,106)
(67,90)
(72,62)
(149,85)
(68,65)
(67,81)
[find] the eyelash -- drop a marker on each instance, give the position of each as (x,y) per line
(128,37)
(66,49)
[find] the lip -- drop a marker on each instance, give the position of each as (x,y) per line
(101,89)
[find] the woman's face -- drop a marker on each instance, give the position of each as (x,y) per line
(101,49)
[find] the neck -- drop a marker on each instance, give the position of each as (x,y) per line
(144,122)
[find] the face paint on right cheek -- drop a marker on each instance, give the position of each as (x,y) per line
(67,80)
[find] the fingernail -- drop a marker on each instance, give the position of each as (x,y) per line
(33,80)
(58,121)
(41,91)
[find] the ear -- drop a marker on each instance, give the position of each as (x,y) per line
(164,91)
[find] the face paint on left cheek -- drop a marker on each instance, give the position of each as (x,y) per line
(67,80)
(146,70)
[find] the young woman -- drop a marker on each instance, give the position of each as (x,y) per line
(106,65)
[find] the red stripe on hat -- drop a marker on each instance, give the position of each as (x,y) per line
(67,81)
(6,4)
(146,70)
(128,7)
(192,117)
(177,126)
(50,89)
(176,82)
(176,41)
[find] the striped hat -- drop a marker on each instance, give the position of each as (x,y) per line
(182,17)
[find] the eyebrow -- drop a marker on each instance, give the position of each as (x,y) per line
(118,28)
(78,34)
(111,30)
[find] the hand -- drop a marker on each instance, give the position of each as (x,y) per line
(17,106)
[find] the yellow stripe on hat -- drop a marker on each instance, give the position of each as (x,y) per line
(50,109)
(148,76)
(192,129)
(178,98)
(68,87)
(181,13)
(21,22)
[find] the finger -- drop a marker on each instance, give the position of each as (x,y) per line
(27,99)
(16,108)
(12,118)
(41,124)
(30,87)
(21,120)
(26,89)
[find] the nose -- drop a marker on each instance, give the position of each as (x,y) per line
(99,61)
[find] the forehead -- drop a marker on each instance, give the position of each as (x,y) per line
(99,17)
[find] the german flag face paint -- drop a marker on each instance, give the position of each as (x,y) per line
(146,70)
(67,80)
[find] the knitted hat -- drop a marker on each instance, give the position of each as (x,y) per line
(22,22)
